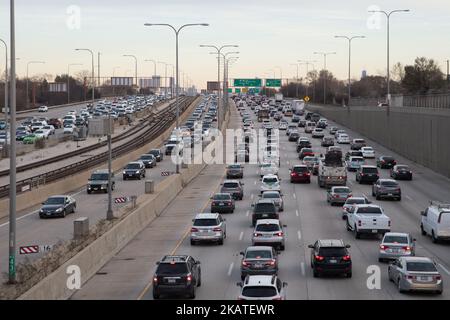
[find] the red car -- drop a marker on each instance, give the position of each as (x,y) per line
(300,173)
(305,152)
(57,123)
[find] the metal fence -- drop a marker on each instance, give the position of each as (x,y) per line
(438,101)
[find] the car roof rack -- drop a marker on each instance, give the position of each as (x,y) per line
(439,204)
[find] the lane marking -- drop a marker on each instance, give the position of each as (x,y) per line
(350,183)
(247,213)
(408,197)
(230,269)
(443,268)
(302,266)
(241,236)
(287,162)
(296,213)
(251,197)
(299,233)
(255,182)
(294,195)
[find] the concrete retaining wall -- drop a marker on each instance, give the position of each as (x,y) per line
(419,134)
(36,196)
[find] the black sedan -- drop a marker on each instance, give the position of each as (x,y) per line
(158,154)
(148,160)
(57,206)
(401,172)
(385,162)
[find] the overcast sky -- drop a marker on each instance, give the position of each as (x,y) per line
(269,34)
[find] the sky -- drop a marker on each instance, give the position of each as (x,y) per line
(270,34)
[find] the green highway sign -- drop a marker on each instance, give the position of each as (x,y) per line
(247,83)
(230,90)
(273,82)
(237,90)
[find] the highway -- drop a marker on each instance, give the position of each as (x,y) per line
(31,230)
(308,218)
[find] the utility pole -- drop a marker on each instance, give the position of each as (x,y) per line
(325,73)
(6,90)
(98,71)
(109,212)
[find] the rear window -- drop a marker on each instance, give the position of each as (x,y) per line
(355,201)
(234,166)
(369,210)
(258,254)
(270,180)
(205,222)
(420,266)
(402,167)
(271,195)
(267,227)
(341,190)
(222,197)
(389,183)
(332,252)
(231,185)
(259,292)
(171,269)
(265,207)
(300,169)
(370,170)
(99,176)
(357,159)
(395,239)
(388,159)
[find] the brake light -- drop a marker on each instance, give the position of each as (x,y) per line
(319,258)
(437,277)
(383,247)
(346,258)
(189,278)
(410,277)
(256,234)
(217,229)
(245,263)
(155,279)
(407,248)
(279,234)
(194,230)
(272,262)
(293,174)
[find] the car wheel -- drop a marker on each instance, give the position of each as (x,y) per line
(73,209)
(380,260)
(89,191)
(192,294)
(357,234)
(399,198)
(220,242)
(422,230)
(377,197)
(282,247)
(399,286)
(64,213)
(242,277)
(192,243)
(315,274)
(348,275)
(433,237)
(199,282)
(348,226)
(155,295)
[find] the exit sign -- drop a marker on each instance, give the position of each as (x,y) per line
(273,82)
(247,83)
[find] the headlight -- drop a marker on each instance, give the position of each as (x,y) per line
(59,210)
(137,171)
(41,211)
(124,172)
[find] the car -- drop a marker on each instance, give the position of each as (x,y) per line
(134,169)
(309,127)
(222,203)
(148,160)
(42,134)
(269,232)
(294,135)
(343,139)
(264,209)
(57,206)
(300,173)
(262,287)
(318,133)
(386,162)
(290,127)
(233,187)
(157,153)
(267,168)
(176,274)
(435,221)
(276,197)
(350,202)
(303,142)
(302,123)
(330,256)
(235,171)
(30,139)
(3,125)
(305,152)
(354,163)
(259,260)
(20,135)
(396,244)
(270,182)
(368,152)
(98,181)
(386,188)
(50,128)
(242,156)
(353,153)
(357,144)
(327,141)
(283,126)
(43,109)
(339,132)
(295,119)
(333,130)
(310,161)
(208,227)
(69,128)
(367,173)
(368,219)
(338,195)
(401,172)
(415,274)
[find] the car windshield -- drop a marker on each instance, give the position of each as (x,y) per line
(332,252)
(367,149)
(259,291)
(388,159)
(395,239)
(389,184)
(357,159)
(421,266)
(133,166)
(369,210)
(370,170)
(230,185)
(258,254)
(58,200)
(99,176)
(171,269)
(205,222)
(309,159)
(341,190)
(222,196)
(267,227)
(270,180)
(271,195)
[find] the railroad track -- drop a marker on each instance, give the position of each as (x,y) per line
(152,127)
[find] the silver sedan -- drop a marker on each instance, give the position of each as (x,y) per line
(396,244)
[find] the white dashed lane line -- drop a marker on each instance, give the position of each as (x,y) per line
(241,236)
(296,213)
(302,266)
(299,234)
(408,197)
(230,269)
(294,195)
(444,268)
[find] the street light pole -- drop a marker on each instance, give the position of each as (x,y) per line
(93,74)
(98,72)
(177,31)
(388,72)
(135,66)
(68,79)
(109,212)
(28,65)
(349,60)
(6,90)
(296,87)
(165,78)
(325,54)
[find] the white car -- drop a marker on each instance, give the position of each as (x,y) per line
(43,109)
(368,152)
(343,139)
(270,182)
(435,221)
(318,133)
(262,287)
(50,128)
(42,133)
(69,129)
(283,126)
(268,168)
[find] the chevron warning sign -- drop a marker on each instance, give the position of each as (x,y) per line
(29,249)
(121,200)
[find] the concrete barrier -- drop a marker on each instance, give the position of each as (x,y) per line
(97,254)
(418,134)
(40,194)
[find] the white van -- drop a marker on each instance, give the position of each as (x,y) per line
(436,221)
(309,127)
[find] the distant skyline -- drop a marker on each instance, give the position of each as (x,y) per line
(269,34)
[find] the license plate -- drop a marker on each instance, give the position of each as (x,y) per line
(390,194)
(266,236)
(333,261)
(265,215)
(221,204)
(258,266)
(171,281)
(424,279)
(374,231)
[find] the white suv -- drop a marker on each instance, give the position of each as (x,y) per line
(262,288)
(270,182)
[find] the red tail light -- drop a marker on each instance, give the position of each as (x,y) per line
(256,234)
(189,277)
(155,279)
(410,277)
(245,263)
(437,277)
(319,258)
(293,174)
(272,262)
(407,248)
(194,230)
(217,229)
(346,258)
(279,234)
(383,247)
(307,174)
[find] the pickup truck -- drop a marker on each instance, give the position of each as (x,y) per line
(368,219)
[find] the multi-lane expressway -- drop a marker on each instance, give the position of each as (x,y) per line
(308,218)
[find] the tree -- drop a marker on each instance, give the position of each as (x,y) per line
(398,72)
(423,77)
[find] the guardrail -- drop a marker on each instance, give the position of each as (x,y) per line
(157,127)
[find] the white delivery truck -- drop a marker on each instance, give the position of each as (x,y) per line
(332,171)
(278,97)
(298,106)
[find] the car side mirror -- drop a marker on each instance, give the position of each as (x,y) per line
(285,284)
(348,246)
(241,253)
(43,203)
(310,246)
(423,213)
(239,284)
(157,263)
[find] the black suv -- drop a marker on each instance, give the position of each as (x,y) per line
(367,174)
(264,209)
(303,143)
(331,257)
(134,170)
(176,275)
(99,181)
